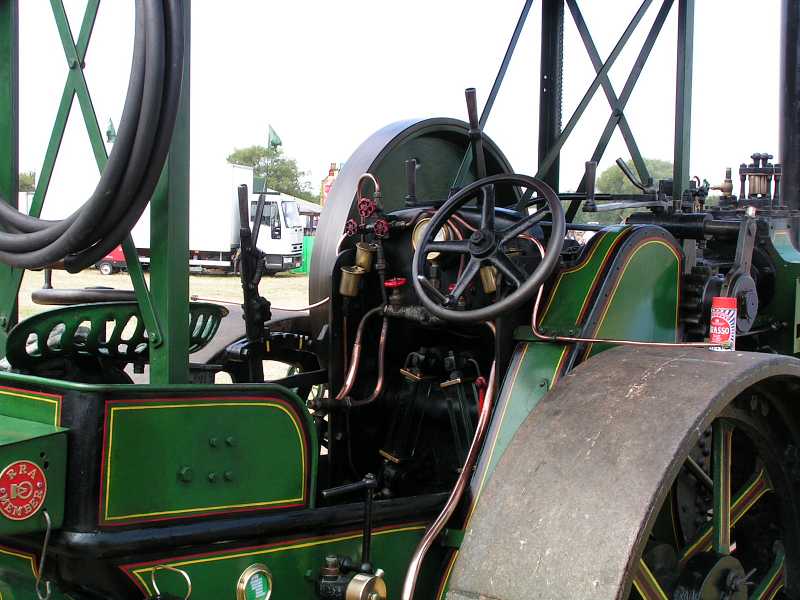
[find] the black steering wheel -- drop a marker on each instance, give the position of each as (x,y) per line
(486,247)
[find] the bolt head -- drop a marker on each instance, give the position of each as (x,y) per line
(185,474)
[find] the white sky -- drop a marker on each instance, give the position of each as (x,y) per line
(328,74)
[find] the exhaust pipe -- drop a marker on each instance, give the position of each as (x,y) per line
(789,118)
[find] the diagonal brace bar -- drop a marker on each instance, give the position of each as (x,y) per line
(617,105)
(466,163)
(76,86)
(551,156)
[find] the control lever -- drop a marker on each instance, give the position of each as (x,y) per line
(589,182)
(629,174)
(411,182)
(475,133)
(256,309)
(369,484)
(654,198)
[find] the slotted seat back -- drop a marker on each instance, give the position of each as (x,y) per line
(110,330)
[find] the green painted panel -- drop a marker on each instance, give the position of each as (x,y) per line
(34,406)
(785,304)
(570,296)
(15,565)
(194,457)
(534,369)
(294,565)
(645,301)
(9,127)
(169,244)
(24,589)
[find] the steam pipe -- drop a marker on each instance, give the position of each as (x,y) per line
(381,369)
(355,359)
(790,104)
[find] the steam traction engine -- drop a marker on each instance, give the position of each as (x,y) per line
(479,406)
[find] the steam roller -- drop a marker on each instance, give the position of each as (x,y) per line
(491,395)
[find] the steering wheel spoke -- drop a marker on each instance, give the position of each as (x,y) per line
(449,247)
(485,248)
(426,283)
(464,280)
(508,268)
(523,225)
(487,208)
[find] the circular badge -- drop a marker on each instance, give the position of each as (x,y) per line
(255,583)
(23,487)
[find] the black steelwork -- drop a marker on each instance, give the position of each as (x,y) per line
(256,308)
(789,119)
(618,104)
(617,118)
(550,87)
(553,153)
(498,82)
(475,133)
(683,100)
(134,166)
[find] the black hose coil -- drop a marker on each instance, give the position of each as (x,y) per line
(134,165)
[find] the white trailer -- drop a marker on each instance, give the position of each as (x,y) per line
(214,225)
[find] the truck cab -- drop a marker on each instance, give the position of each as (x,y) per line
(281,236)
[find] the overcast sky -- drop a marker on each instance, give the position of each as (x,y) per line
(328,74)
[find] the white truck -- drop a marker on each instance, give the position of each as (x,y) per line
(214,226)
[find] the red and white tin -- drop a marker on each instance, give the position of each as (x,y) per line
(723,323)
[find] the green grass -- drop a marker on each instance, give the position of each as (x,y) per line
(283,290)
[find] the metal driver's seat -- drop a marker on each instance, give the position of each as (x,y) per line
(99,339)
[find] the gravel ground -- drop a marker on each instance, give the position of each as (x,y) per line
(288,290)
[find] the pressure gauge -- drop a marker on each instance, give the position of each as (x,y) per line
(255,583)
(443,235)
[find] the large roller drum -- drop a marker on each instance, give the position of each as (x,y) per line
(655,473)
(438,145)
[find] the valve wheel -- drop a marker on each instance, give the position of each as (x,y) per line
(486,247)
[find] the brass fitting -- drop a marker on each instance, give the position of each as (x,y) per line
(365,255)
(351,278)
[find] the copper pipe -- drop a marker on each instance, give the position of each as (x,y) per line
(381,369)
(355,357)
(370,177)
(344,343)
(464,476)
(463,223)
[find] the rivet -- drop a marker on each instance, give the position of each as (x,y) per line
(212,442)
(228,475)
(185,474)
(212,477)
(230,441)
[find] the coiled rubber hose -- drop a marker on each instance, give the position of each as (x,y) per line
(134,166)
